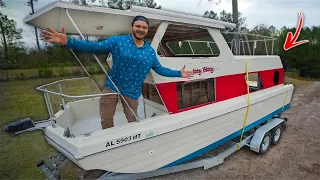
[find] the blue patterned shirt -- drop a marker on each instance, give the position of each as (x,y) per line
(131,64)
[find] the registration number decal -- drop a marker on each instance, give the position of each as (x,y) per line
(123,140)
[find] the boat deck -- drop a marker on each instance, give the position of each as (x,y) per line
(90,123)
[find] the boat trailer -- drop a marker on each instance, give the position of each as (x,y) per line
(257,139)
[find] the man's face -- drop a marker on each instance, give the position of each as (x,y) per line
(140,29)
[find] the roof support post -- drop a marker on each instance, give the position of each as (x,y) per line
(155,44)
(159,35)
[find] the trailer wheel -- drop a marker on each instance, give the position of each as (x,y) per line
(265,143)
(276,134)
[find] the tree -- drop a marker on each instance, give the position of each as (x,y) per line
(264,30)
(81,2)
(31,3)
(211,15)
(9,32)
(235,13)
(305,57)
(151,4)
(303,60)
(117,4)
(227,17)
(125,4)
(2,4)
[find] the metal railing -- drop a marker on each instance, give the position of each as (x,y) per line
(244,47)
(46,92)
(254,39)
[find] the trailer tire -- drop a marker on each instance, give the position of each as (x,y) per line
(276,133)
(265,143)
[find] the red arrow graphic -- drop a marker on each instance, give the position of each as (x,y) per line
(291,41)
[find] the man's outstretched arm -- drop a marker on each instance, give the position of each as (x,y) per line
(164,71)
(105,46)
(167,72)
(92,47)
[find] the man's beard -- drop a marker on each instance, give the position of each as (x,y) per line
(135,35)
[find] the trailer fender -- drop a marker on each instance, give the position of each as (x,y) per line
(260,132)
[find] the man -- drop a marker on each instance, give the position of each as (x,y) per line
(132,58)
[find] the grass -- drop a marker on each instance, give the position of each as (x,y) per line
(19,99)
(12,74)
(28,73)
(296,82)
(19,154)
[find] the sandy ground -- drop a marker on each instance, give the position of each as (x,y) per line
(297,156)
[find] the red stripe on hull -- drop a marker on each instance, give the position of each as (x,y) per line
(168,92)
(267,77)
(230,86)
(227,87)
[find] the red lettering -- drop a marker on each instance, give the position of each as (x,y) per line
(208,69)
(197,71)
(203,70)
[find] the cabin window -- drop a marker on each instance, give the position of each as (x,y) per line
(150,92)
(186,41)
(195,92)
(254,82)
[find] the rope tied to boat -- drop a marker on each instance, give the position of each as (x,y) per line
(248,107)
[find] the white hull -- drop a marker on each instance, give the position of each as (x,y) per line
(175,138)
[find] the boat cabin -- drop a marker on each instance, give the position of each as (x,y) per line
(179,40)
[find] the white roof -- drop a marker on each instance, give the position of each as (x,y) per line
(105,21)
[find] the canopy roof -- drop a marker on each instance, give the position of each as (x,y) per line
(105,21)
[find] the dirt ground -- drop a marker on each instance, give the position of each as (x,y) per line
(297,156)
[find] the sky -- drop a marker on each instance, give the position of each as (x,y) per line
(278,13)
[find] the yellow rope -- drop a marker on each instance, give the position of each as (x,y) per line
(285,98)
(248,107)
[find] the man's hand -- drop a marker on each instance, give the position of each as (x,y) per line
(186,74)
(52,36)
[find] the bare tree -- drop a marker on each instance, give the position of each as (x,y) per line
(3,32)
(235,18)
(31,3)
(2,4)
(9,33)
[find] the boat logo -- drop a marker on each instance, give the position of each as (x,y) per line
(203,70)
(148,133)
(99,27)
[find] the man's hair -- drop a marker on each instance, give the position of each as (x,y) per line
(140,18)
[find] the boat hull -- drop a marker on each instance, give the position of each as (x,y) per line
(182,144)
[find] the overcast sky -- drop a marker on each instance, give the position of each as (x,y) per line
(271,12)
